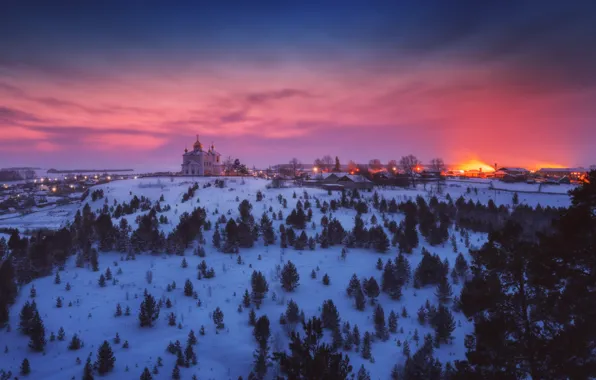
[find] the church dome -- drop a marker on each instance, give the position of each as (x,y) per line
(197,145)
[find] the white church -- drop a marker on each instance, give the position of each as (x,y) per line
(199,162)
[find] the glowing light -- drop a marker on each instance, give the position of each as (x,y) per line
(109,178)
(54,189)
(315,169)
(394,169)
(547,165)
(476,165)
(136,177)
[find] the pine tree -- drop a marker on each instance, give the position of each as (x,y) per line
(313,274)
(184,263)
(403,272)
(105,358)
(404,312)
(292,314)
(262,331)
(216,239)
(67,287)
(359,299)
(353,285)
(102,281)
(172,319)
(75,343)
(289,277)
(246,299)
(444,292)
(61,334)
(366,346)
(218,317)
(146,375)
(25,367)
(260,287)
(192,339)
(326,280)
(149,311)
(444,324)
(392,322)
(57,280)
(406,349)
(179,355)
(379,264)
(422,316)
(26,317)
(371,288)
(118,310)
(37,333)
(188,288)
(356,336)
(88,370)
(379,319)
(32,292)
(108,274)
(189,355)
(461,265)
(329,315)
(252,317)
(363,374)
(176,373)
(260,363)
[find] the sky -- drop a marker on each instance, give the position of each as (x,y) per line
(129,84)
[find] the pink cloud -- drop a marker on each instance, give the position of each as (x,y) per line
(447,109)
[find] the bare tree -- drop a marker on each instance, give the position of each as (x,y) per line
(328,161)
(228,165)
(325,163)
(375,164)
(352,166)
(392,166)
(409,164)
(337,167)
(295,165)
(437,164)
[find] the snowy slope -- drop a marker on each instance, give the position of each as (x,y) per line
(228,354)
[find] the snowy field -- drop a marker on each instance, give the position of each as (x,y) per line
(51,217)
(228,354)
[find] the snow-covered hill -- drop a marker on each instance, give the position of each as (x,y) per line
(88,309)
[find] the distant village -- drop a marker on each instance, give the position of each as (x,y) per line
(25,189)
(49,189)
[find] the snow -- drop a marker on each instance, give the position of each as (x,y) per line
(51,217)
(228,354)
